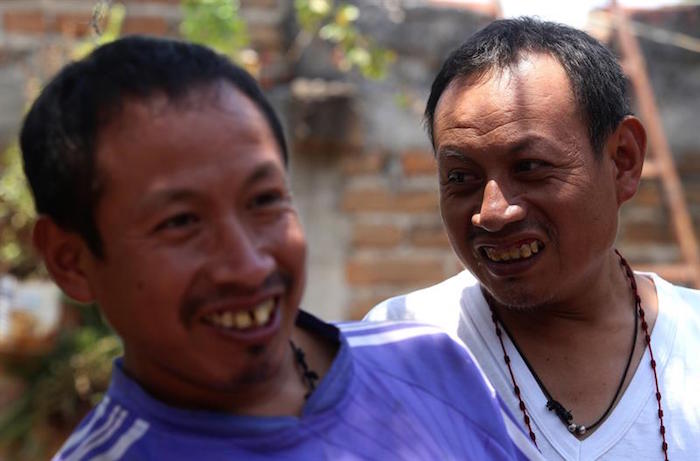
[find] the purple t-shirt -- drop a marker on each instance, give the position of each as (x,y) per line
(395,391)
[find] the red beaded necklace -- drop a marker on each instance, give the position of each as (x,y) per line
(555,406)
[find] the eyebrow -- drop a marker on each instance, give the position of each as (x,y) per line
(164,197)
(454,150)
(264,171)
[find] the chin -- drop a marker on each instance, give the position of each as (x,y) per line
(514,297)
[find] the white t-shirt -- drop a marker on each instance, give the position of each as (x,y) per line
(631,431)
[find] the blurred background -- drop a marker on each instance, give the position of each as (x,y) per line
(350,80)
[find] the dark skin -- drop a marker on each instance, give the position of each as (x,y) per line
(197,224)
(517,168)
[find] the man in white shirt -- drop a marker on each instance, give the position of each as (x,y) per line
(537,150)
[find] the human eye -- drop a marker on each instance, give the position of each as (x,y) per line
(455,177)
(177,221)
(267,198)
(460,177)
(529,165)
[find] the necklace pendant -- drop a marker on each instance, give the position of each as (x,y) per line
(576,429)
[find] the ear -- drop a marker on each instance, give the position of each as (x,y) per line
(626,147)
(64,255)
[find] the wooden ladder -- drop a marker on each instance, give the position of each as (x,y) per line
(659,162)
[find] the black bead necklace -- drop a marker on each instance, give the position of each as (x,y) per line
(552,405)
(307,374)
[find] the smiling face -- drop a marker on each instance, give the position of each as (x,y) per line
(528,207)
(204,254)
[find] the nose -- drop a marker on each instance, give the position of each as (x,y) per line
(496,211)
(241,256)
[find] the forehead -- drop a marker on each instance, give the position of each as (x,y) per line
(211,132)
(534,91)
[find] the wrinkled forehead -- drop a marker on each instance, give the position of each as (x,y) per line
(527,70)
(533,80)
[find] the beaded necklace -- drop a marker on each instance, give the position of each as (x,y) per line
(552,405)
(307,374)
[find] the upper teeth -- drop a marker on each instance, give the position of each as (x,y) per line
(517,252)
(258,316)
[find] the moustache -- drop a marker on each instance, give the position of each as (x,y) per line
(509,229)
(196,298)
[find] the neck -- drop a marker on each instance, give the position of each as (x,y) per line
(280,391)
(600,298)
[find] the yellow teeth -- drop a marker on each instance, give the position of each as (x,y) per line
(227,319)
(262,313)
(524,251)
(241,320)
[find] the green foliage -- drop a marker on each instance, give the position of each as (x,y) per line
(214,23)
(16,215)
(336,25)
(61,385)
(71,377)
(16,208)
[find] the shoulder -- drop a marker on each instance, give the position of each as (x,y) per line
(427,304)
(108,432)
(420,363)
(405,350)
(678,301)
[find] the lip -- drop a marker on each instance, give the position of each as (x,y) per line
(253,335)
(509,268)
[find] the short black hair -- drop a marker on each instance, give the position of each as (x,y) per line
(59,133)
(597,80)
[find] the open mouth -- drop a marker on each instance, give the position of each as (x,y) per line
(242,320)
(518,252)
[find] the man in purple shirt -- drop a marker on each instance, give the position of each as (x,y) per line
(159,172)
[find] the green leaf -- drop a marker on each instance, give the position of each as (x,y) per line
(214,23)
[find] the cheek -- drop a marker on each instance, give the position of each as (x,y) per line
(287,242)
(456,218)
(455,215)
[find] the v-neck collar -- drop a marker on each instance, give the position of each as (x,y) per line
(640,389)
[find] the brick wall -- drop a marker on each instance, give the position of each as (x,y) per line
(397,242)
(362,170)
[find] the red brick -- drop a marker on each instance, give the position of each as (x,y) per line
(688,164)
(376,235)
(646,232)
(381,199)
(416,201)
(429,236)
(418,162)
(266,37)
(367,163)
(27,21)
(73,24)
(314,146)
(394,270)
(648,194)
(375,199)
(691,190)
(150,25)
